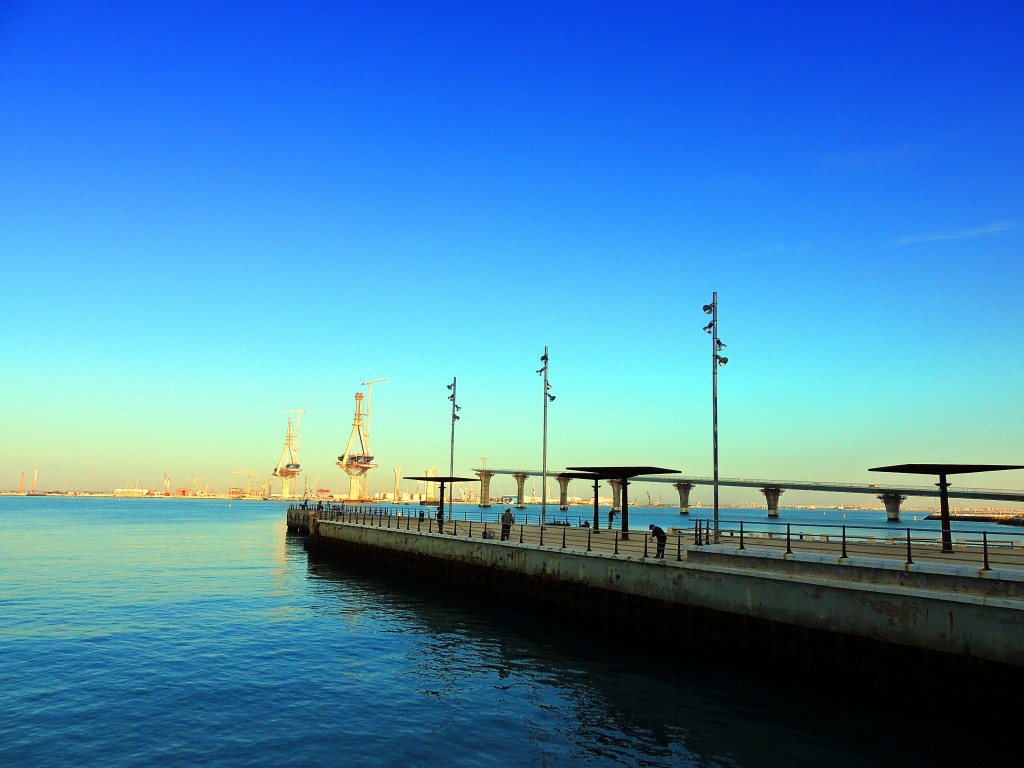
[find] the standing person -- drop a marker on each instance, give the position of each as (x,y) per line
(659,533)
(611,518)
(440,519)
(506,523)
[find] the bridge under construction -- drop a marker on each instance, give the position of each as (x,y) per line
(892,495)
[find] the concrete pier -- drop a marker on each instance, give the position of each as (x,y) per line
(616,494)
(521,483)
(485,487)
(684,496)
(892,503)
(907,629)
(563,492)
(771,496)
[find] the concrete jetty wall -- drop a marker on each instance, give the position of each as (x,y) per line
(927,630)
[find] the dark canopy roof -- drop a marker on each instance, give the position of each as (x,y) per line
(612,473)
(943,469)
(440,479)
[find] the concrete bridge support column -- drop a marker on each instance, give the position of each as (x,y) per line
(521,482)
(485,487)
(616,494)
(771,495)
(892,503)
(563,493)
(684,497)
(484,476)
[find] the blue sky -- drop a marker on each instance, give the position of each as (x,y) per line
(210,215)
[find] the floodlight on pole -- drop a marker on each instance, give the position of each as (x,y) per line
(451,461)
(717,360)
(548,397)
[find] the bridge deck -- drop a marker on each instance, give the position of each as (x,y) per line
(991,494)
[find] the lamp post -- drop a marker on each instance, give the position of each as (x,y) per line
(716,361)
(543,371)
(451,460)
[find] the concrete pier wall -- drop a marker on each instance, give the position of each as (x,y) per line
(939,630)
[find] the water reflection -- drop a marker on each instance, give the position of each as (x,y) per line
(614,700)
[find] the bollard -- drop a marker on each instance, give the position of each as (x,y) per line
(679,547)
(789,545)
(564,529)
(616,542)
(588,541)
(741,535)
(542,536)
(984,547)
(844,544)
(471,529)
(645,546)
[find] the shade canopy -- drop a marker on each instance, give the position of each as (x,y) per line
(439,479)
(944,469)
(613,473)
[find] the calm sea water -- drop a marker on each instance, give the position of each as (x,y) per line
(196,632)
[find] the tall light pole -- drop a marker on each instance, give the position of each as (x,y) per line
(543,371)
(716,361)
(451,461)
(366,433)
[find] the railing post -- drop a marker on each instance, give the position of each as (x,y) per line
(542,536)
(520,534)
(910,560)
(741,535)
(616,542)
(696,533)
(789,544)
(645,547)
(844,555)
(471,529)
(984,547)
(564,529)
(588,541)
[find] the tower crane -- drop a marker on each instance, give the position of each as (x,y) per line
(356,463)
(249,475)
(366,434)
(288,465)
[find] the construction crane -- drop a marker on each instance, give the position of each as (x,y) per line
(249,475)
(288,465)
(356,463)
(199,490)
(167,485)
(366,433)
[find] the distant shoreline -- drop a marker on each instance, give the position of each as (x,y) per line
(979,514)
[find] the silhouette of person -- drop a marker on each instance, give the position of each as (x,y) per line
(506,524)
(659,533)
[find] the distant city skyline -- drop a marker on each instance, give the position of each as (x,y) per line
(212,215)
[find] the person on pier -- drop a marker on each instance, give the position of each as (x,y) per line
(659,533)
(507,519)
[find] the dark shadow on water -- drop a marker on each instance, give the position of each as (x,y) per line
(727,711)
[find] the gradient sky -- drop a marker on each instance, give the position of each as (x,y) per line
(212,213)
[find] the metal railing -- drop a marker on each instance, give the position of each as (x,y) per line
(982,549)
